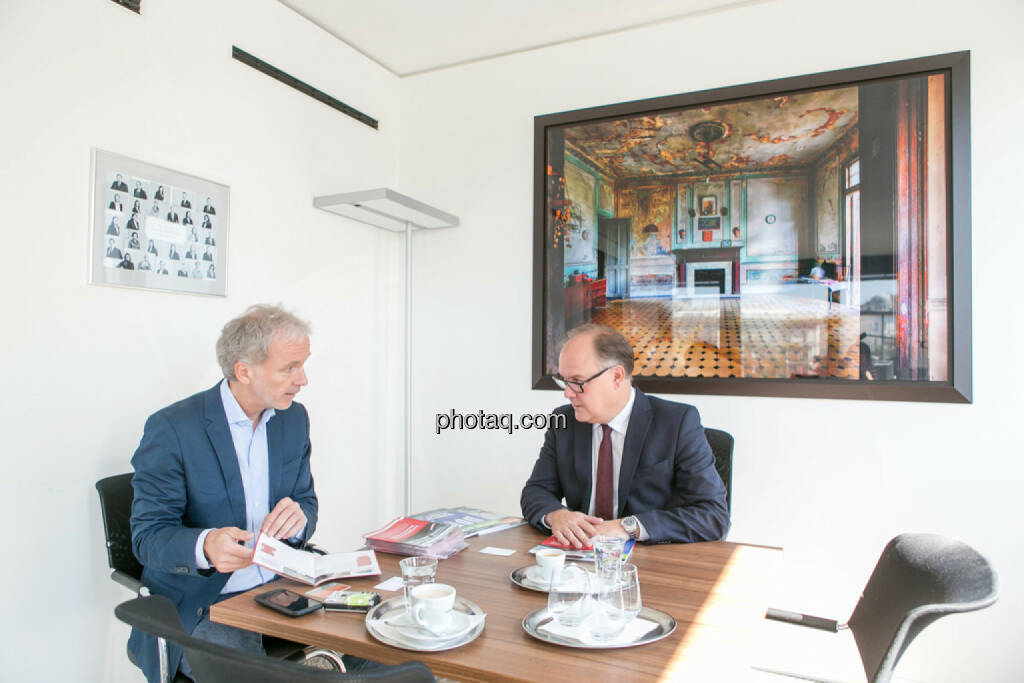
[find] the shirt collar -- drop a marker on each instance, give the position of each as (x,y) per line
(234,413)
(621,421)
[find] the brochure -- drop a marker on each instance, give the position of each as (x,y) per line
(408,536)
(311,568)
(586,553)
(474,522)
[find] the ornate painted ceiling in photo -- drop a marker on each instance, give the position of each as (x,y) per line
(769,134)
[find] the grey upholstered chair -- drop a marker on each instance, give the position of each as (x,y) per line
(918,578)
(721,445)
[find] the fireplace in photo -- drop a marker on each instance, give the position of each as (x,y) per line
(709,278)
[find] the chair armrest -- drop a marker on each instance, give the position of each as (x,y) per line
(128,581)
(803,620)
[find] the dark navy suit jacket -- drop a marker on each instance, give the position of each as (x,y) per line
(667,477)
(186,480)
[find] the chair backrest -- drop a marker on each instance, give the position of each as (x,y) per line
(116,495)
(721,445)
(216,663)
(918,578)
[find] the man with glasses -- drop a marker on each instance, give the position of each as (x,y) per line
(625,463)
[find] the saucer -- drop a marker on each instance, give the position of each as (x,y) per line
(534,574)
(531,577)
(392,610)
(458,624)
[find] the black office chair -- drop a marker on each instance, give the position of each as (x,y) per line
(721,445)
(215,663)
(116,495)
(918,578)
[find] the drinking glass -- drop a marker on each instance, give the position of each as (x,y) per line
(569,594)
(416,571)
(609,614)
(630,580)
(608,554)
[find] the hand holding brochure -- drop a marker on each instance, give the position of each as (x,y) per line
(311,568)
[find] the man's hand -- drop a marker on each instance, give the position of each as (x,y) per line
(223,551)
(613,527)
(572,528)
(285,520)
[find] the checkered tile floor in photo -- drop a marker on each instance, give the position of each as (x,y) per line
(754,336)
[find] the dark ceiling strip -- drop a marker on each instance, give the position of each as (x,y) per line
(272,71)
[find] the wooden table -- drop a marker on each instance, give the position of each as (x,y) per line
(716,592)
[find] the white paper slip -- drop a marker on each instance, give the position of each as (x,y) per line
(392,584)
(491,550)
(633,632)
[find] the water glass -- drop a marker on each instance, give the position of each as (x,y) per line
(608,555)
(569,595)
(416,571)
(630,580)
(609,613)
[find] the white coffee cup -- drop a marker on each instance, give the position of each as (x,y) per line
(432,605)
(550,561)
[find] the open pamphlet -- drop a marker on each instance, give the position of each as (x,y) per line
(311,568)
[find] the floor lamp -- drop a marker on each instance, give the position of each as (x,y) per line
(390,210)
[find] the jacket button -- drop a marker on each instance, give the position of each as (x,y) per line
(199,612)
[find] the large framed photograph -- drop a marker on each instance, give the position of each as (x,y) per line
(155,228)
(805,237)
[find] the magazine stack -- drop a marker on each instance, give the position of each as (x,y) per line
(407,536)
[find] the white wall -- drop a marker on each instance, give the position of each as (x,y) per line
(831,481)
(84,365)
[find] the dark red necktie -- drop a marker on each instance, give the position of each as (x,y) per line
(603,497)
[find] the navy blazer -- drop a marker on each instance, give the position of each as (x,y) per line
(667,477)
(186,480)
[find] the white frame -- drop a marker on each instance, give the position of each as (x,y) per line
(203,275)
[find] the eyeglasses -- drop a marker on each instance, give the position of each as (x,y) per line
(577,387)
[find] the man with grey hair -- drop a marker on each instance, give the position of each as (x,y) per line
(625,464)
(214,470)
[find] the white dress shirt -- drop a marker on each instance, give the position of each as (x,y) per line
(618,425)
(253,461)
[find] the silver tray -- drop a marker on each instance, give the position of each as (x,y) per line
(519,578)
(392,607)
(534,620)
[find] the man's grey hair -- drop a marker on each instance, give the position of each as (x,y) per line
(247,338)
(611,346)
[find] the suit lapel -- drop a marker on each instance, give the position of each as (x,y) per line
(582,439)
(636,434)
(275,443)
(224,447)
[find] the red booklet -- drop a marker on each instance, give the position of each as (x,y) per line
(553,542)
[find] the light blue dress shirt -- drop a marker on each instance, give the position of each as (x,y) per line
(253,462)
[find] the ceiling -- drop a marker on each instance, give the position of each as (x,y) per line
(412,36)
(771,133)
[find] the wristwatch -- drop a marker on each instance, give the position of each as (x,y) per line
(632,526)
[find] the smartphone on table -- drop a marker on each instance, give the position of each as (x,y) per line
(288,602)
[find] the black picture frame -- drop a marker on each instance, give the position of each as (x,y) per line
(955,387)
(133,5)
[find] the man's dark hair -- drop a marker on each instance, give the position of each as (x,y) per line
(611,347)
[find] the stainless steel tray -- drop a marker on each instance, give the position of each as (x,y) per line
(394,607)
(534,620)
(520,578)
